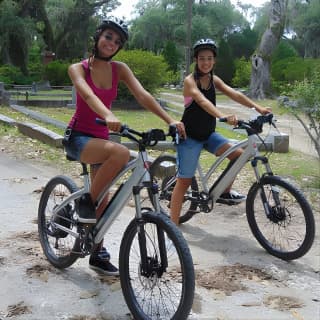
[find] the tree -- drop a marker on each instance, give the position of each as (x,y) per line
(64,26)
(16,32)
(305,106)
(71,21)
(171,55)
(260,84)
(304,22)
(224,58)
(243,43)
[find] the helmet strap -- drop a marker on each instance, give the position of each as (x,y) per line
(102,58)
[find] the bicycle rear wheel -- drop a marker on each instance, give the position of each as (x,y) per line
(287,231)
(58,245)
(164,172)
(166,289)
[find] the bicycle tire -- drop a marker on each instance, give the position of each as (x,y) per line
(166,180)
(288,233)
(58,246)
(166,296)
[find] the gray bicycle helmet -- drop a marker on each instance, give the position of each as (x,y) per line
(115,24)
(204,44)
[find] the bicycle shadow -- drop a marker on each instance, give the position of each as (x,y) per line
(210,244)
(228,245)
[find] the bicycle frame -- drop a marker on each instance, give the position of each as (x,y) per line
(251,151)
(139,175)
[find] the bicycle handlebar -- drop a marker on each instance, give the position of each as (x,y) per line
(254,126)
(148,138)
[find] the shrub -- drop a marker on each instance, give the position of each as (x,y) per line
(242,74)
(56,72)
(286,71)
(11,75)
(150,70)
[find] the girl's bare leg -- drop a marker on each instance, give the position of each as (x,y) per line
(178,193)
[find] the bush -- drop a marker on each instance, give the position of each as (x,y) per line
(286,71)
(56,72)
(305,100)
(293,69)
(150,70)
(243,72)
(11,75)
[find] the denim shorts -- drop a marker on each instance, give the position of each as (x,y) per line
(75,145)
(188,152)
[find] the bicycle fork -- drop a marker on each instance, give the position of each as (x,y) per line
(274,190)
(150,266)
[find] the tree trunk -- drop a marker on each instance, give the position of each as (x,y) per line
(260,85)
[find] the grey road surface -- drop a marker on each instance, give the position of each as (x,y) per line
(236,278)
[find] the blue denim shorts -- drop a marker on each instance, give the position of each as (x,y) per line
(188,152)
(75,145)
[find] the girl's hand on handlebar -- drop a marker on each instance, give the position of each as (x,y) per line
(113,123)
(180,127)
(232,120)
(264,111)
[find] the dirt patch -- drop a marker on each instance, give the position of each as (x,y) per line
(17,310)
(40,271)
(282,303)
(26,235)
(228,279)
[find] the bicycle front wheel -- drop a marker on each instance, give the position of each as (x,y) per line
(58,245)
(164,172)
(165,288)
(280,218)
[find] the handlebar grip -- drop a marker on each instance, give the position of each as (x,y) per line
(104,123)
(101,122)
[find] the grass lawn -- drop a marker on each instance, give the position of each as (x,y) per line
(295,165)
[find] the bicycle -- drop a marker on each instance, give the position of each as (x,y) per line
(156,268)
(279,215)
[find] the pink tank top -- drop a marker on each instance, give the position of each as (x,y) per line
(84,117)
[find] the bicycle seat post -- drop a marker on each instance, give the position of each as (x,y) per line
(86,178)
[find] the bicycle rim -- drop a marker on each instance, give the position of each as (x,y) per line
(58,245)
(168,295)
(288,231)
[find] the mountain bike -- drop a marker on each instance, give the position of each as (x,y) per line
(156,268)
(279,215)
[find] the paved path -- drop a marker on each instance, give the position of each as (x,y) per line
(236,278)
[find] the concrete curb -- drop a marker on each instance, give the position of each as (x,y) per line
(51,138)
(278,144)
(42,134)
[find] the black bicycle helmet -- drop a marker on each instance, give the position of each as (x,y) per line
(116,24)
(204,44)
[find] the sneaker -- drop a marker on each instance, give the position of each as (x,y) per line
(86,209)
(231,198)
(100,262)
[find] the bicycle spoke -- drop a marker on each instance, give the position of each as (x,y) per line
(286,228)
(157,291)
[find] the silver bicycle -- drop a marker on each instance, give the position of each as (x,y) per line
(156,268)
(279,215)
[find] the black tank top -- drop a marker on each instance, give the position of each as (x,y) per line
(200,124)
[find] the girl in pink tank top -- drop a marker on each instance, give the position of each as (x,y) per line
(96,81)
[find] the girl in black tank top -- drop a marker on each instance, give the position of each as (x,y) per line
(200,124)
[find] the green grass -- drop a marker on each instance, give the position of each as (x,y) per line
(295,165)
